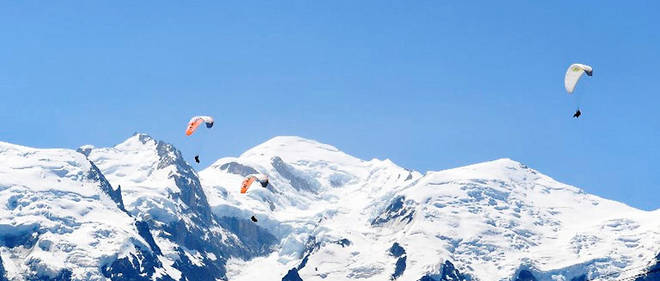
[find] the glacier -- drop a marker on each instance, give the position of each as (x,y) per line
(140,211)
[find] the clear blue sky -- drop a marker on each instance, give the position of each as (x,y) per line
(429,84)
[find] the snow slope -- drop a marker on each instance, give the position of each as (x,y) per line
(338,218)
(309,182)
(135,211)
(160,188)
(57,219)
(495,218)
(139,211)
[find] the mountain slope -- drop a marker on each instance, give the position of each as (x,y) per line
(135,211)
(309,183)
(161,189)
(59,219)
(338,218)
(495,218)
(139,211)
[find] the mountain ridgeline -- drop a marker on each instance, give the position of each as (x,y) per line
(140,211)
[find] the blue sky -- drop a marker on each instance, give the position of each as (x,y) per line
(429,84)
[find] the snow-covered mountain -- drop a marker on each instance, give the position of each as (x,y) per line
(342,218)
(139,211)
(60,218)
(135,211)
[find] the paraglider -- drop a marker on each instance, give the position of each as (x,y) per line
(573,75)
(247,182)
(261,178)
(194,123)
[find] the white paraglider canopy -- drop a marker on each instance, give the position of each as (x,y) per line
(573,75)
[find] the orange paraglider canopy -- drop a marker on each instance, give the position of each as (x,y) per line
(246,184)
(196,121)
(192,126)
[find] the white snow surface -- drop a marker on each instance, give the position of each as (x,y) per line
(489,219)
(134,165)
(49,198)
(144,169)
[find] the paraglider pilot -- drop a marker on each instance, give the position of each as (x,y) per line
(577,113)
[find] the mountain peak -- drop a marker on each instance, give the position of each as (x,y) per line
(291,144)
(134,161)
(495,169)
(136,141)
(290,139)
(500,163)
(296,149)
